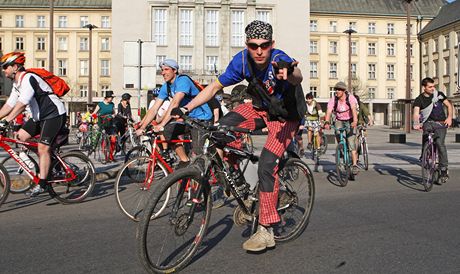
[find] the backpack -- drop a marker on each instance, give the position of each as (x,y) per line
(347,100)
(199,86)
(57,84)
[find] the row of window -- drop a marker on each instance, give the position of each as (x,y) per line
(83,90)
(436,67)
(61,23)
(371,71)
(371,48)
(370,92)
(437,44)
(371,27)
(62,66)
(62,43)
(212,25)
(185,63)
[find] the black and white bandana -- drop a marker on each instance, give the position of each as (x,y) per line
(258,30)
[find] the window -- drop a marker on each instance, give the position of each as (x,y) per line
(62,21)
(313,69)
(263,15)
(352,25)
(104,89)
(371,69)
(435,45)
(185,62)
(212,28)
(186,27)
(19,21)
(83,91)
(212,63)
(333,47)
(19,43)
(425,69)
(1,43)
(84,21)
(160,28)
(84,43)
(436,68)
(62,43)
(390,49)
(411,50)
(411,72)
(41,23)
(62,67)
(390,93)
(333,26)
(105,67)
(390,28)
(84,67)
(313,46)
(105,44)
(1,21)
(105,22)
(331,92)
(332,70)
(458,35)
(354,73)
(446,41)
(390,71)
(446,66)
(159,60)
(354,48)
(371,93)
(237,33)
(40,43)
(314,91)
(313,25)
(40,63)
(371,48)
(371,27)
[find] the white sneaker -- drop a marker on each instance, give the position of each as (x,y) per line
(35,191)
(260,240)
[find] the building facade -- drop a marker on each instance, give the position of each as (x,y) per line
(25,26)
(378,50)
(203,35)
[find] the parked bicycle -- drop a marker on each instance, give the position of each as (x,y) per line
(343,162)
(71,178)
(362,148)
(168,242)
(430,160)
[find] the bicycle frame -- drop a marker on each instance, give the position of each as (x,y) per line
(343,142)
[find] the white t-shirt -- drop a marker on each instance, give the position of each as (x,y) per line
(162,109)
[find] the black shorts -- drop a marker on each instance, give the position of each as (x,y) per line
(48,129)
(173,130)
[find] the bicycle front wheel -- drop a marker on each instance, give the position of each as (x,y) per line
(137,151)
(365,154)
(341,165)
(67,190)
(168,242)
(19,179)
(428,166)
(134,184)
(295,199)
(4,184)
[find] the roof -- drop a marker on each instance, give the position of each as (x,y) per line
(449,13)
(91,4)
(425,8)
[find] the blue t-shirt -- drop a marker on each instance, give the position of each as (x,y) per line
(238,70)
(185,85)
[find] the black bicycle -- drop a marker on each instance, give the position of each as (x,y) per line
(168,242)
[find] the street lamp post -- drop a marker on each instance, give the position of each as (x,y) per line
(349,31)
(407,123)
(90,69)
(51,41)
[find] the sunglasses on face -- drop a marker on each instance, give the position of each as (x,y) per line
(263,46)
(339,89)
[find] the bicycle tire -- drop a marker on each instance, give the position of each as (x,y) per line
(81,187)
(4,184)
(127,144)
(137,151)
(365,153)
(20,181)
(342,168)
(324,142)
(294,215)
(131,193)
(428,167)
(155,248)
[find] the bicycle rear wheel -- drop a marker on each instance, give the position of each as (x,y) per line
(364,154)
(134,184)
(68,191)
(428,166)
(168,242)
(4,184)
(19,179)
(341,165)
(296,198)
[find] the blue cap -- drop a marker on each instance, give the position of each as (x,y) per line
(170,63)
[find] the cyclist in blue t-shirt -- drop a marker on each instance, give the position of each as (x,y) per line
(275,71)
(180,90)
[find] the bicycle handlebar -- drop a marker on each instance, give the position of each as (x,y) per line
(196,123)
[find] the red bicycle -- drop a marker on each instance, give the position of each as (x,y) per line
(71,178)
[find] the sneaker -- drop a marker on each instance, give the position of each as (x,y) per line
(182,164)
(355,170)
(309,146)
(444,174)
(35,191)
(262,239)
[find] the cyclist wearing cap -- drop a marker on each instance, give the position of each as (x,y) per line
(260,53)
(312,117)
(179,90)
(344,106)
(48,112)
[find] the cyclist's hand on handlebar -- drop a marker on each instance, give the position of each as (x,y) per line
(448,122)
(158,128)
(179,112)
(140,132)
(283,69)
(354,124)
(417,126)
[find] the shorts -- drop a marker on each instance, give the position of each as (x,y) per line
(48,129)
(350,133)
(173,130)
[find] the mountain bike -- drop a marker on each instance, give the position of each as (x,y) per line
(430,157)
(362,149)
(343,161)
(129,139)
(168,242)
(71,178)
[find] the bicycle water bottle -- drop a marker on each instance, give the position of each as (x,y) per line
(26,159)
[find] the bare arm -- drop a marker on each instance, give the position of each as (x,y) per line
(178,96)
(205,95)
(96,109)
(450,112)
(216,115)
(355,116)
(148,118)
(416,117)
(5,110)
(18,108)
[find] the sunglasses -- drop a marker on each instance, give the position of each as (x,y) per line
(339,89)
(263,46)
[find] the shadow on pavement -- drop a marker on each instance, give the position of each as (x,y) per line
(403,177)
(100,191)
(409,159)
(23,202)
